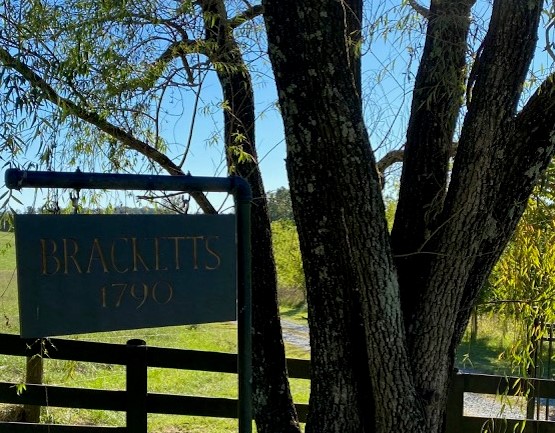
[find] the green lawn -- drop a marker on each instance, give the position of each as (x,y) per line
(8,285)
(489,353)
(7,251)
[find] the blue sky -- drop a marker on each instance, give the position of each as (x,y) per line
(206,157)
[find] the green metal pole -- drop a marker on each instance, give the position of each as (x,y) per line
(243,199)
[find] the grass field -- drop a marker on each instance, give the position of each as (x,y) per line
(219,337)
(488,353)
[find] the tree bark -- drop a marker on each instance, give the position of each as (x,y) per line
(34,372)
(450,227)
(436,103)
(274,410)
(354,317)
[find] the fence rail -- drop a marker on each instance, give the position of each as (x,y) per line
(137,402)
(134,400)
(496,386)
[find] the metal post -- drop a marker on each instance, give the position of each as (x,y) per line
(244,300)
(17,179)
(136,386)
(533,369)
(455,404)
(548,375)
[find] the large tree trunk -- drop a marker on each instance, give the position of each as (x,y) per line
(354,315)
(384,325)
(274,410)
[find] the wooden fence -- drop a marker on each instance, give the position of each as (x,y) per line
(501,387)
(134,400)
(137,402)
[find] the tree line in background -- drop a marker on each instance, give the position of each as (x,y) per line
(521,287)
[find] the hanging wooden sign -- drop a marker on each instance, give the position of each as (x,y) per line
(89,273)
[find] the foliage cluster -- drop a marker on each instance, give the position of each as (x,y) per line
(289,267)
(279,205)
(521,287)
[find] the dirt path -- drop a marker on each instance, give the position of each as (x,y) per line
(296,334)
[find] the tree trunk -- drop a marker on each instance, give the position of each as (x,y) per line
(354,317)
(474,326)
(368,313)
(274,410)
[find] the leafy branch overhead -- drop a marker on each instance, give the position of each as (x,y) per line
(90,72)
(419,8)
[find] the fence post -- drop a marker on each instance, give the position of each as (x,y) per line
(455,404)
(533,368)
(136,385)
(34,374)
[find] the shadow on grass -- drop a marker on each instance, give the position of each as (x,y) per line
(484,355)
(296,313)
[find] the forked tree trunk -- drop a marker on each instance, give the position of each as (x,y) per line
(386,315)
(360,374)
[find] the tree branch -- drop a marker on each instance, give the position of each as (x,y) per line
(425,12)
(396,156)
(246,15)
(529,142)
(390,158)
(435,108)
(93,118)
(186,46)
(181,48)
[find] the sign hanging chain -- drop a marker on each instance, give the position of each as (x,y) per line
(74,197)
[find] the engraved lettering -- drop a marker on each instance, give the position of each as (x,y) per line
(113,257)
(71,256)
(141,298)
(214,254)
(176,240)
(159,297)
(114,295)
(195,249)
(157,255)
(95,248)
(103,296)
(48,257)
(122,287)
(137,258)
